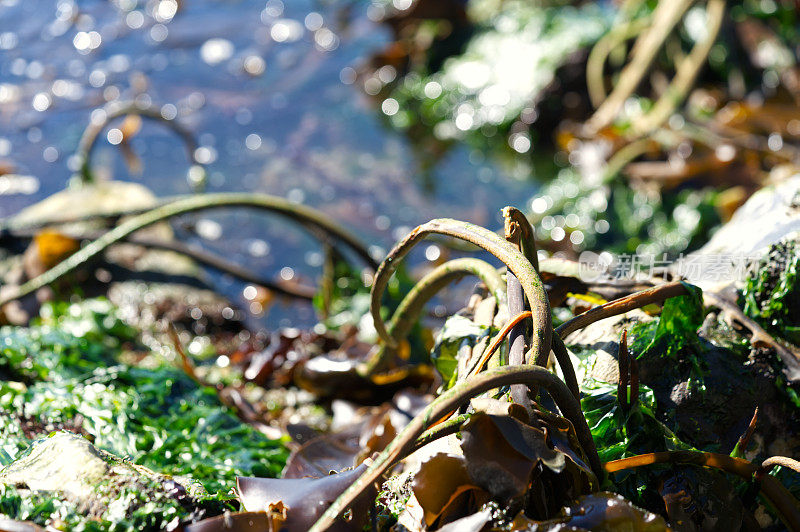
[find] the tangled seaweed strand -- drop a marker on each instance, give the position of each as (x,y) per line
(596,61)
(666,15)
(628,384)
(200,256)
(564,362)
(651,38)
(622,305)
(491,242)
(519,232)
(440,430)
(305,215)
(407,313)
(450,400)
(117,110)
(685,74)
(786,505)
(559,350)
(774,461)
(498,339)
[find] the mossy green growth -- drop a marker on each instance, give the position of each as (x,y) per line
(41,507)
(772,294)
(612,216)
(514,51)
(68,340)
(673,336)
(66,374)
(676,327)
(158,418)
(619,433)
(12,438)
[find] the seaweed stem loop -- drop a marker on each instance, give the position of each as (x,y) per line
(487,240)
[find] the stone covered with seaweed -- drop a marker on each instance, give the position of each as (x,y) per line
(164,450)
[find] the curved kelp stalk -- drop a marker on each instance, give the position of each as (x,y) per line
(622,305)
(787,506)
(445,428)
(223,265)
(450,400)
(407,313)
(667,14)
(777,461)
(519,231)
(564,362)
(685,74)
(200,256)
(595,63)
(498,340)
(487,240)
(559,350)
(117,110)
(305,215)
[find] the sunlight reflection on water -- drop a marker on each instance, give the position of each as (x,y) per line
(268,90)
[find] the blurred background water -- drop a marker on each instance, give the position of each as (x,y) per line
(270,91)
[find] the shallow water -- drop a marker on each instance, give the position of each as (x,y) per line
(272,104)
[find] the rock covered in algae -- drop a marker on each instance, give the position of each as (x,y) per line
(62,462)
(69,480)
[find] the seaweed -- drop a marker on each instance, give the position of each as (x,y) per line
(672,336)
(620,432)
(157,417)
(675,330)
(772,293)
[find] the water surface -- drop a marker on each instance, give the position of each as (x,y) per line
(270,91)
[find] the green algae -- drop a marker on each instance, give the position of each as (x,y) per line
(772,293)
(621,432)
(673,335)
(128,501)
(158,418)
(67,341)
(67,375)
(607,214)
(675,330)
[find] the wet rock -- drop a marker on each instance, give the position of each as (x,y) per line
(602,340)
(149,285)
(104,197)
(68,463)
(770,215)
(203,312)
(101,486)
(108,198)
(709,405)
(63,462)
